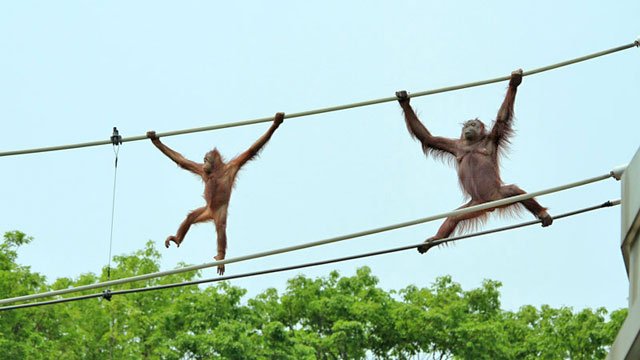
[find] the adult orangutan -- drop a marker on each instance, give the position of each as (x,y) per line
(476,155)
(218,178)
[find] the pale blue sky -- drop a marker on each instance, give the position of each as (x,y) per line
(70,71)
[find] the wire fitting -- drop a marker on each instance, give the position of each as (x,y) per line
(107,295)
(116,139)
(618,171)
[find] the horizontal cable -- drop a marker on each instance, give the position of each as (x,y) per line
(306,265)
(322,110)
(52,302)
(492,204)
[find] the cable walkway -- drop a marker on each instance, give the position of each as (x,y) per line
(109,294)
(327,109)
(616,173)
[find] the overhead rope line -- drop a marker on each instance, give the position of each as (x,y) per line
(327,109)
(309,264)
(616,173)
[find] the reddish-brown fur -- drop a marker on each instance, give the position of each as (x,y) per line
(218,178)
(476,154)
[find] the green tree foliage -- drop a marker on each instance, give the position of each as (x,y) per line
(332,317)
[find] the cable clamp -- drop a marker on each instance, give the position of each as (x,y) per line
(107,295)
(116,139)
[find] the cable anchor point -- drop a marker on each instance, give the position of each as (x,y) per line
(617,172)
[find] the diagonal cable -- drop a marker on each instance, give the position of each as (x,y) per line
(493,204)
(310,264)
(327,109)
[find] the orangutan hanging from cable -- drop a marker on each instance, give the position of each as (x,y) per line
(219,177)
(476,154)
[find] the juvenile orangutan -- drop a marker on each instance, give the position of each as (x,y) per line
(219,177)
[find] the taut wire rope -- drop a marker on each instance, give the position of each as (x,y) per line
(310,264)
(493,204)
(116,140)
(327,109)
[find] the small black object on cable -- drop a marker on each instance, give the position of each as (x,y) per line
(116,139)
(107,295)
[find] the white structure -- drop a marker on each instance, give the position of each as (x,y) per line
(627,343)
